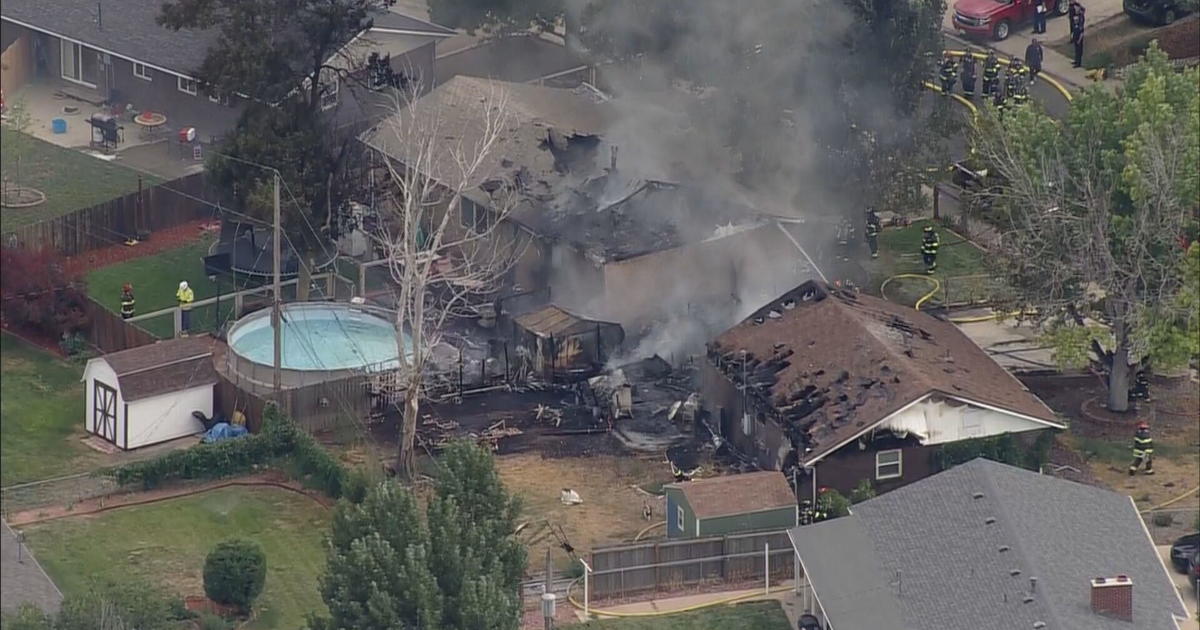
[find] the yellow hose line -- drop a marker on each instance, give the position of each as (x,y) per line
(957,97)
(1172,501)
(1041,75)
(648,528)
(718,602)
(936,286)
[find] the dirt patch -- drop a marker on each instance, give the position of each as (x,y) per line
(1119,41)
(612,505)
(159,241)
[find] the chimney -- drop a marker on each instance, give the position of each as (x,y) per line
(1113,597)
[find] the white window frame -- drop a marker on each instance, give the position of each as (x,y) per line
(144,74)
(679,518)
(899,464)
(77,53)
(183,82)
(329,92)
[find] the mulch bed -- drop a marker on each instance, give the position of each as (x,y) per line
(159,241)
(1181,40)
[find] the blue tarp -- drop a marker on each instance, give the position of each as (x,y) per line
(224,431)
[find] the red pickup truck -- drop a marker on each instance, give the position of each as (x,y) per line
(997,18)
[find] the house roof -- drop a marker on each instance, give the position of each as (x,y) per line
(834,363)
(737,494)
(518,58)
(163,367)
(391,20)
(958,550)
(23,578)
(127,28)
(557,321)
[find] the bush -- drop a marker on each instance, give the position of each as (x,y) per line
(999,448)
(38,294)
(863,491)
(1163,519)
(209,621)
(833,503)
(235,572)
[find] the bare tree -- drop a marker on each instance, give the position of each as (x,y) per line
(1097,210)
(441,265)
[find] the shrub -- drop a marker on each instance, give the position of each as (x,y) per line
(209,621)
(863,491)
(575,569)
(235,572)
(1000,448)
(1163,519)
(39,294)
(833,503)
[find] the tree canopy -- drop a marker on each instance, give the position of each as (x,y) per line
(1098,214)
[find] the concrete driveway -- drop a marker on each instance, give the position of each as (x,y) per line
(1185,590)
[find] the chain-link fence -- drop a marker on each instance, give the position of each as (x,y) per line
(58,492)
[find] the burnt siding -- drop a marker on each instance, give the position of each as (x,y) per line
(766,444)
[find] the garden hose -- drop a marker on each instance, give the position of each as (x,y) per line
(719,602)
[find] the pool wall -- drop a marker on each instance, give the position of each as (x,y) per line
(262,374)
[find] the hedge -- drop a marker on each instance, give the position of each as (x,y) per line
(279,441)
(1000,448)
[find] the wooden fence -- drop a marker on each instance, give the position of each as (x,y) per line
(112,222)
(624,570)
(317,407)
(108,332)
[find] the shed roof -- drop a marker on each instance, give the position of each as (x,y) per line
(737,494)
(833,363)
(557,321)
(163,367)
(958,550)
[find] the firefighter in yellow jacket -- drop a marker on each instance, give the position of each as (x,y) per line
(185,297)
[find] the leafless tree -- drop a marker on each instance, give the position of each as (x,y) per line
(1088,235)
(441,259)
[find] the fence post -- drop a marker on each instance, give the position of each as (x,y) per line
(766,568)
(936,202)
(177,315)
(362,280)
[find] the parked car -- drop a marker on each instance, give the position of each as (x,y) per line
(997,18)
(1182,550)
(1194,573)
(1155,11)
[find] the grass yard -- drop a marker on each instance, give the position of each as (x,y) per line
(764,615)
(900,253)
(166,543)
(70,179)
(41,415)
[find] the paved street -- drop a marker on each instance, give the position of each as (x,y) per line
(1185,590)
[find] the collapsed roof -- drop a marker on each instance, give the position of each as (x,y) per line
(833,363)
(562,154)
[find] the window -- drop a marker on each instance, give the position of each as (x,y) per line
(888,464)
(79,63)
(474,217)
(187,86)
(679,517)
(142,72)
(329,90)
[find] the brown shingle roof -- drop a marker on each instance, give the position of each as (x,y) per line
(163,367)
(834,363)
(737,494)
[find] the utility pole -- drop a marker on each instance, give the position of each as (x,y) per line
(276,314)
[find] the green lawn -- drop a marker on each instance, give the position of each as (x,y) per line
(764,615)
(961,265)
(70,179)
(166,543)
(41,415)
(155,280)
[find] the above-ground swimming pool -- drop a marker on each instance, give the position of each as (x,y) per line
(320,341)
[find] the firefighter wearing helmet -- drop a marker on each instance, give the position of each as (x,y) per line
(127,302)
(1143,450)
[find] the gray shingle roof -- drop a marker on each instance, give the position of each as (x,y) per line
(163,367)
(128,28)
(953,574)
(23,578)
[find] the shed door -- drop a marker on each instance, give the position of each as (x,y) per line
(104,411)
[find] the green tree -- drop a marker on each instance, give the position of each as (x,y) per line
(496,16)
(386,569)
(235,572)
(279,58)
(1096,212)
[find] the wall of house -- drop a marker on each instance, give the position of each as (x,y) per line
(161,94)
(168,416)
(16,63)
(675,501)
(100,370)
(777,519)
(766,443)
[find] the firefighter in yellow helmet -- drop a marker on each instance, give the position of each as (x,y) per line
(184,296)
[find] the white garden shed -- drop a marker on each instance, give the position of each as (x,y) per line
(146,395)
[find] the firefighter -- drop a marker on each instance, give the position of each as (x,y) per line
(872,231)
(1017,67)
(991,73)
(929,249)
(127,302)
(184,296)
(968,75)
(947,75)
(998,98)
(1141,387)
(1018,90)
(845,236)
(1143,450)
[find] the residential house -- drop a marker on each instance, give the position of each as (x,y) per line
(599,219)
(519,58)
(115,52)
(849,387)
(730,504)
(987,546)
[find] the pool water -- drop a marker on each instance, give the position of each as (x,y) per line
(320,337)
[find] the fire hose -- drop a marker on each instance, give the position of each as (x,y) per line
(937,285)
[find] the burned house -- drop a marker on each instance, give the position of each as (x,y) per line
(608,227)
(850,387)
(561,345)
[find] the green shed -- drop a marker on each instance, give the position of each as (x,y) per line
(730,504)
